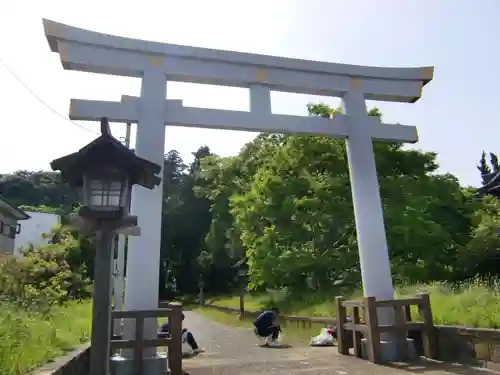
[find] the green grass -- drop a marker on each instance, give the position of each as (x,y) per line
(473,304)
(30,339)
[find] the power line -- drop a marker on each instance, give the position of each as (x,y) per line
(40,99)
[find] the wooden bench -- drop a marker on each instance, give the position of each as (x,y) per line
(365,324)
(172,340)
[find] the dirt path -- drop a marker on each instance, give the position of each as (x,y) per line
(234,351)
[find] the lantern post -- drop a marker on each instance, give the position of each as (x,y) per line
(242,278)
(201,286)
(105,170)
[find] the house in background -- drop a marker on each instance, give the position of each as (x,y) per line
(34,228)
(10,228)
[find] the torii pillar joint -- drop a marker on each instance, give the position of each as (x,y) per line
(371,235)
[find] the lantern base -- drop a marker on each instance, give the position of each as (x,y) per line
(90,213)
(126,225)
(389,350)
(156,365)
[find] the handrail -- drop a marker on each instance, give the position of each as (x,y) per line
(172,340)
(366,324)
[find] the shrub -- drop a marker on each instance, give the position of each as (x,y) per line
(47,274)
(39,318)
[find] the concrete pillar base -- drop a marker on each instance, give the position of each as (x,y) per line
(156,365)
(390,351)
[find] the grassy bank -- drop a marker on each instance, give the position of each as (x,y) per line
(29,339)
(475,304)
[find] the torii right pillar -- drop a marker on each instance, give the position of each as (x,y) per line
(369,217)
(368,212)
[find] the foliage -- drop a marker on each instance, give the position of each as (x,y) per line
(37,189)
(282,208)
(295,218)
(47,274)
(42,209)
(30,338)
(483,166)
(481,255)
(186,219)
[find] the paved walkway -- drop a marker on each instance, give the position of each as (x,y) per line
(233,351)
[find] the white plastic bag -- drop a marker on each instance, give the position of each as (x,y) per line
(325,338)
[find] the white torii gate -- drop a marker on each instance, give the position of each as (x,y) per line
(157,63)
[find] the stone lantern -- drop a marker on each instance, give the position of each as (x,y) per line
(105,171)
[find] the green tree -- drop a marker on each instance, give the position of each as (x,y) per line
(186,219)
(296,219)
(483,166)
(494,162)
(38,189)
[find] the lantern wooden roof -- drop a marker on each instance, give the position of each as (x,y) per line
(103,153)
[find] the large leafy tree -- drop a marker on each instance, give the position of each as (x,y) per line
(296,219)
(186,219)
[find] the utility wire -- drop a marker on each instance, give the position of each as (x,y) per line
(40,99)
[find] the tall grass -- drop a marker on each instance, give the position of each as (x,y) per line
(474,304)
(28,339)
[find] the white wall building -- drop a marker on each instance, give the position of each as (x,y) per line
(9,226)
(32,229)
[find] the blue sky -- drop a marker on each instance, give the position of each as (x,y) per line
(456,117)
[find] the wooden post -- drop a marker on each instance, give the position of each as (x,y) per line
(202,296)
(138,361)
(341,318)
(356,336)
(407,312)
(201,293)
(101,307)
(371,320)
(429,339)
(175,345)
(242,297)
(401,332)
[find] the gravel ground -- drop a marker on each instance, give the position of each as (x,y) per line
(234,351)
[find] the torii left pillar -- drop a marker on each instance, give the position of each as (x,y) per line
(143,257)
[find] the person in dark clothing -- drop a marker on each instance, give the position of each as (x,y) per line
(189,337)
(266,325)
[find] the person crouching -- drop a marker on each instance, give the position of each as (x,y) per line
(189,337)
(266,326)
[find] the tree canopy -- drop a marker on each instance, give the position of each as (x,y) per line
(283,209)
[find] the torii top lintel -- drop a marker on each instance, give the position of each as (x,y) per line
(90,51)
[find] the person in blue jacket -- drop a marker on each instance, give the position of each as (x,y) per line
(266,325)
(189,337)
